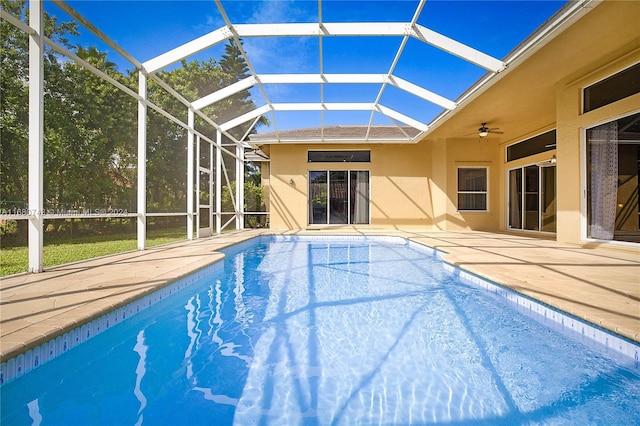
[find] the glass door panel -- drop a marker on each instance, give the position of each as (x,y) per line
(548,199)
(359,197)
(318,198)
(338,198)
(515,199)
(531,198)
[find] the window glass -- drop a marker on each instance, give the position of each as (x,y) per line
(472,188)
(515,198)
(532,146)
(618,86)
(532,198)
(339,156)
(318,198)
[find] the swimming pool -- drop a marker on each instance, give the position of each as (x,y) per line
(330,331)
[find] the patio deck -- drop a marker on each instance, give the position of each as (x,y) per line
(597,284)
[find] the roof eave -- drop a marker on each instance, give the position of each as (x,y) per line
(565,17)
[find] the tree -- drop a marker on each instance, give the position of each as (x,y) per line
(167,141)
(90,134)
(235,68)
(91,137)
(14,105)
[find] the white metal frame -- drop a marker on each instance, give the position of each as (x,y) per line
(322,29)
(36,134)
(147,71)
(210,172)
(35,213)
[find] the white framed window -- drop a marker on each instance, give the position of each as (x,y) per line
(473,184)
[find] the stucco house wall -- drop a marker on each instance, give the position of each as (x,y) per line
(400,190)
(415,185)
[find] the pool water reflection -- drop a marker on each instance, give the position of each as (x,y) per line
(305,331)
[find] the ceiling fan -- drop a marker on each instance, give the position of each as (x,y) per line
(484,131)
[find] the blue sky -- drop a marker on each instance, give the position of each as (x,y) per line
(149,28)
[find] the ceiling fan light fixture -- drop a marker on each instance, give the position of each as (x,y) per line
(483,131)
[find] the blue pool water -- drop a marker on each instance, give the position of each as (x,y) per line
(317,332)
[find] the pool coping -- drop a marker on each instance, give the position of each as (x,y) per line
(35,332)
(44,341)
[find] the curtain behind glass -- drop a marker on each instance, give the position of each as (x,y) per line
(359,197)
(603,178)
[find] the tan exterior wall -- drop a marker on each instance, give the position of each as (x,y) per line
(412,186)
(400,190)
(416,185)
(572,123)
(448,156)
(473,153)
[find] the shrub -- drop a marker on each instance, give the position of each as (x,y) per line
(8,227)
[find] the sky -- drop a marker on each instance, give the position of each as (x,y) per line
(148,28)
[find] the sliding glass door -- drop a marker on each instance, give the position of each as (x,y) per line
(532,198)
(338,197)
(613,167)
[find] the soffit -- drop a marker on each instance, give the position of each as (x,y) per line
(523,102)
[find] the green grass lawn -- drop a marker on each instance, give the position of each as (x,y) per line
(14,256)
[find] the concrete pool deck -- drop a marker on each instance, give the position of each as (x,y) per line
(600,285)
